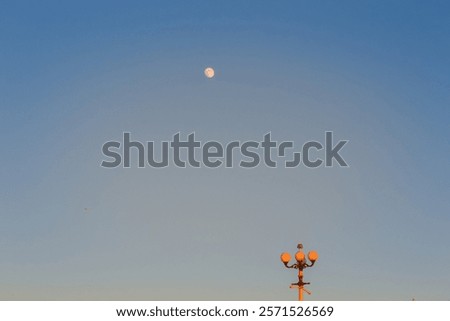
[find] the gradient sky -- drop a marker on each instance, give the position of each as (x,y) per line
(75,75)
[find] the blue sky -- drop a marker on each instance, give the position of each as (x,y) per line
(75,75)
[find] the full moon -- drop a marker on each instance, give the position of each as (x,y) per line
(209,72)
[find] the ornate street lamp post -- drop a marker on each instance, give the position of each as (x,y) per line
(299,265)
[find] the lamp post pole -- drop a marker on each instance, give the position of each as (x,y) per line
(300,264)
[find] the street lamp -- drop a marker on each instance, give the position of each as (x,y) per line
(299,265)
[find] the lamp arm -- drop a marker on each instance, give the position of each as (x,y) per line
(293,266)
(309,265)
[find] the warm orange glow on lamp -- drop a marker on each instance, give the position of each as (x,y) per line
(299,265)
